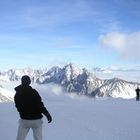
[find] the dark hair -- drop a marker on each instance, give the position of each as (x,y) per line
(25,80)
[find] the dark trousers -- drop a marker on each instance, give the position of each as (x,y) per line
(137,98)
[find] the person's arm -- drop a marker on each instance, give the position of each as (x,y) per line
(16,102)
(43,108)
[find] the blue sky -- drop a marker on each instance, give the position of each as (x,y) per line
(89,33)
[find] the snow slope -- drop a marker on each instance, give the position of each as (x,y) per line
(77,118)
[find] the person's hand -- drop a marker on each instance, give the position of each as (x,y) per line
(49,118)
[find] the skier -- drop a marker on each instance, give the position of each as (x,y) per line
(30,107)
(137,93)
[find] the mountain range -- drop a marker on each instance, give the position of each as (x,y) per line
(76,80)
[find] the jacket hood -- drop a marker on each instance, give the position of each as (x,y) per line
(22,87)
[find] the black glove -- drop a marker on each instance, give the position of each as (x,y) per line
(49,117)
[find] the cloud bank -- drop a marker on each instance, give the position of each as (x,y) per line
(127,45)
(128,73)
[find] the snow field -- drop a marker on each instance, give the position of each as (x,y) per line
(78,118)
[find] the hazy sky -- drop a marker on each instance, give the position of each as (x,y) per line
(89,33)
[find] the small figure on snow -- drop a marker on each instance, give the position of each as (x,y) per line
(137,93)
(30,107)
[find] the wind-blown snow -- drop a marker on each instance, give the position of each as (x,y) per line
(78,118)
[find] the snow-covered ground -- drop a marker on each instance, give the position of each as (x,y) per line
(77,118)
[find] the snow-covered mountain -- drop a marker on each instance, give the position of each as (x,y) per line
(16,74)
(5,95)
(116,88)
(84,82)
(76,80)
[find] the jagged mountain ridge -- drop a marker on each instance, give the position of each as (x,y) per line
(80,81)
(84,82)
(116,88)
(16,74)
(5,95)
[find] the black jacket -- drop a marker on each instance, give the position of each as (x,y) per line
(28,103)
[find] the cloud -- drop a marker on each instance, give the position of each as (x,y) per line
(54,91)
(126,45)
(129,72)
(56,13)
(43,14)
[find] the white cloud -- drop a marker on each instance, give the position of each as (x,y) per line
(56,13)
(55,91)
(129,72)
(127,45)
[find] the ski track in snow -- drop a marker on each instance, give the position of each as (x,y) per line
(79,119)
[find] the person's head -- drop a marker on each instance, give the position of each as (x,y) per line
(25,80)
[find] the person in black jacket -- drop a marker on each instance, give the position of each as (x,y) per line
(137,94)
(30,107)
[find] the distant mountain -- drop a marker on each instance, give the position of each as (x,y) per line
(77,80)
(16,74)
(84,82)
(116,88)
(5,95)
